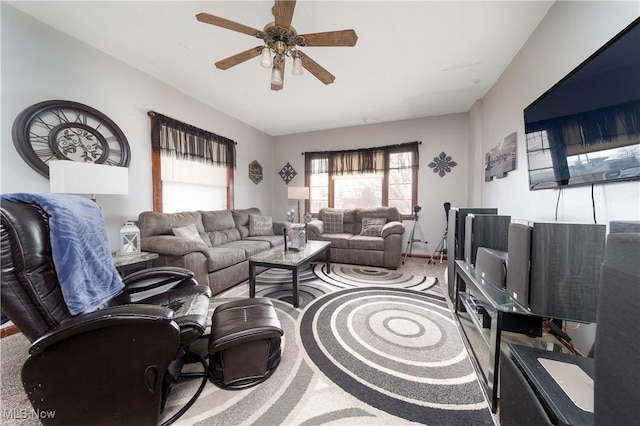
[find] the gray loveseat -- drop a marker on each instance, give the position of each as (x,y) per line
(367,236)
(217,249)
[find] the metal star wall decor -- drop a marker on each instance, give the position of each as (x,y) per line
(287,173)
(442,164)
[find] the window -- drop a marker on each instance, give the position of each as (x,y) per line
(363,178)
(192,169)
(192,185)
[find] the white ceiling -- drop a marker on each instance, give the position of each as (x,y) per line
(412,59)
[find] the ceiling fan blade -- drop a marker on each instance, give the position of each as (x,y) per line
(330,38)
(312,66)
(283,12)
(225,23)
(238,58)
(281,85)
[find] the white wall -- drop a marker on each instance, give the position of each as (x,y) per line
(446,133)
(569,34)
(40,63)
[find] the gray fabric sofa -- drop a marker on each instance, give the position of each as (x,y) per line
(380,244)
(219,256)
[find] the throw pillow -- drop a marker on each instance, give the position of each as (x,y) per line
(190,232)
(260,225)
(332,222)
(372,226)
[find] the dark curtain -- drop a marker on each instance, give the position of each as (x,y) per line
(357,161)
(187,142)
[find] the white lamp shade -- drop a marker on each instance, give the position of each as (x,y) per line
(73,177)
(298,192)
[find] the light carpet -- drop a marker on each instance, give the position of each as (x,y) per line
(366,346)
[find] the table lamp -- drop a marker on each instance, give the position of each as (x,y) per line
(298,193)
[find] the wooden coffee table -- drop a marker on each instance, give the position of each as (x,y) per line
(291,260)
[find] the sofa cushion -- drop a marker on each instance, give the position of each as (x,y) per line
(217,220)
(154,223)
(241,219)
(223,257)
(219,238)
(372,226)
(332,222)
(273,240)
(250,247)
(189,232)
(260,225)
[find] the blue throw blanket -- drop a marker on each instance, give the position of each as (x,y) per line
(80,249)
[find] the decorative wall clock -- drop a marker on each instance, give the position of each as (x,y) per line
(66,130)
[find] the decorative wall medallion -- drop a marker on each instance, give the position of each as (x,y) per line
(255,172)
(66,130)
(501,159)
(287,173)
(442,164)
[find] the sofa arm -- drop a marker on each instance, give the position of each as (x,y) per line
(173,246)
(315,228)
(278,226)
(393,227)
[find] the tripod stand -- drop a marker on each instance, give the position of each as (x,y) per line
(442,247)
(412,238)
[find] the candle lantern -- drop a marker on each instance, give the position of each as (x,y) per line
(129,239)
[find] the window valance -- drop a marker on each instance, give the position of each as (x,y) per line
(185,141)
(358,161)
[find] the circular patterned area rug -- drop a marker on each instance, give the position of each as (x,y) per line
(397,347)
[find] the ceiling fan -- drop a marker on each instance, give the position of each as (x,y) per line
(282,40)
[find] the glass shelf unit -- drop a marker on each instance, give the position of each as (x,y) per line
(482,311)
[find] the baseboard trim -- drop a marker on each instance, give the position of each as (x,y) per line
(8,331)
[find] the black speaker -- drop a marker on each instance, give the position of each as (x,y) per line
(617,345)
(485,230)
(563,269)
(491,264)
(518,268)
(455,241)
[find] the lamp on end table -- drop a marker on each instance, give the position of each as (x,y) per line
(298,193)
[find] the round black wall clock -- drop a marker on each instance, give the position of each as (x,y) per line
(66,130)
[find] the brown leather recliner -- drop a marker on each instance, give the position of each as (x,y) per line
(111,366)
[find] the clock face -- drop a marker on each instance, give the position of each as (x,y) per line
(65,130)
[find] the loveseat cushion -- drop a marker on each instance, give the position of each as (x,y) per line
(361,242)
(372,226)
(337,240)
(348,219)
(333,222)
(154,223)
(390,214)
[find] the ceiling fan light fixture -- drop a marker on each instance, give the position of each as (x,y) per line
(276,76)
(297,65)
(265,60)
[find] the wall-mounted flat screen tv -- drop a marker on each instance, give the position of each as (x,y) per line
(586,128)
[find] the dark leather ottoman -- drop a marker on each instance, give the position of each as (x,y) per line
(244,346)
